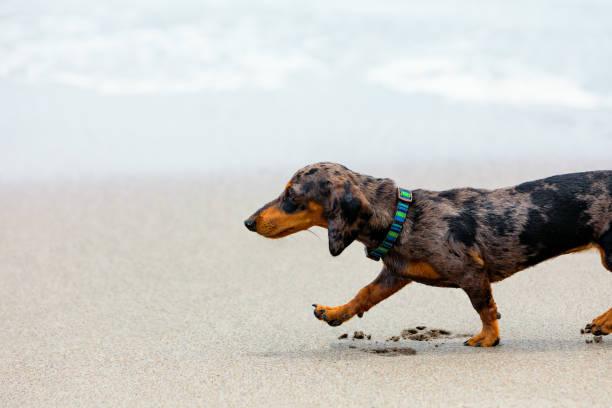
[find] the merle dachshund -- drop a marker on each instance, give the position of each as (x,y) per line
(462,238)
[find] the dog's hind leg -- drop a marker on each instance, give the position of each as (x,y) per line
(602,324)
(381,288)
(478,289)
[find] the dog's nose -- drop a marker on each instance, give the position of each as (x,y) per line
(250,224)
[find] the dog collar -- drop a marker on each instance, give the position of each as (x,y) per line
(404,198)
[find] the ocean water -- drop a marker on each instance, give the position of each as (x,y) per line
(109,87)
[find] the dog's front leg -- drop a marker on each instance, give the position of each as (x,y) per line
(381,288)
(478,289)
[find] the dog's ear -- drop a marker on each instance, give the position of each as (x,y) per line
(349,213)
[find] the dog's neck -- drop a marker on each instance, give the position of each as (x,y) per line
(383,201)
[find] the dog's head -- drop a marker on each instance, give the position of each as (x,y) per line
(322,194)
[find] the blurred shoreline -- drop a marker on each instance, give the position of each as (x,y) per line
(419,173)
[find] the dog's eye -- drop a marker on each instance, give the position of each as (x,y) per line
(290,206)
(291,202)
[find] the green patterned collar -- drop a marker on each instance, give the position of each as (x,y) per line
(404,197)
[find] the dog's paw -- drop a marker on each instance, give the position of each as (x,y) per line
(334,316)
(482,339)
(601,325)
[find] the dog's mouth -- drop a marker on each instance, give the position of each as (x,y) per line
(283,233)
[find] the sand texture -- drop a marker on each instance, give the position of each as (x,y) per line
(152,293)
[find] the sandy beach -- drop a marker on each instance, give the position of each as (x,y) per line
(150,292)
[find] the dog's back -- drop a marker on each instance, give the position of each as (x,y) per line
(517,227)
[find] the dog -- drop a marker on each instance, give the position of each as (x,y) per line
(461,238)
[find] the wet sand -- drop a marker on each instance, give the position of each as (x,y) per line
(151,292)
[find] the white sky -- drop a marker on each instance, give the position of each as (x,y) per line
(94,88)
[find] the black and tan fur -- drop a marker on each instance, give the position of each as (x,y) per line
(463,238)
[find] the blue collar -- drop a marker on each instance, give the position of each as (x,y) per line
(404,197)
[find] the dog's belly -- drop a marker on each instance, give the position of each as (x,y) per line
(441,283)
(423,272)
(503,271)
